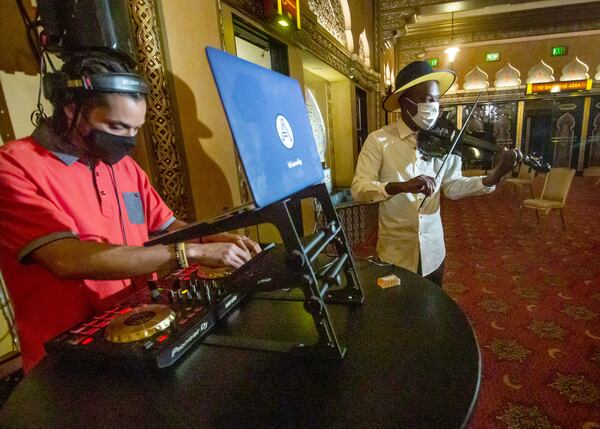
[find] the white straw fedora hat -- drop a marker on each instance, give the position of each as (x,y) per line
(413,74)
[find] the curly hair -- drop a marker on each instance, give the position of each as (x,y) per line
(88,63)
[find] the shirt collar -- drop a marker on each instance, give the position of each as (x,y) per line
(61,148)
(403,129)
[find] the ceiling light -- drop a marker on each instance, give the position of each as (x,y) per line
(452,50)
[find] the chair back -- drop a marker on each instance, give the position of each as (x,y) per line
(526,172)
(557,184)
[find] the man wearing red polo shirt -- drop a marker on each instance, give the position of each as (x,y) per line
(75,210)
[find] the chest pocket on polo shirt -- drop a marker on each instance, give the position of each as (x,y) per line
(134,207)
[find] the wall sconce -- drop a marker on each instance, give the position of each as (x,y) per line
(452,50)
(282,21)
(283,13)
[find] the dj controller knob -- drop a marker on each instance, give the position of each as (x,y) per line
(154,292)
(194,293)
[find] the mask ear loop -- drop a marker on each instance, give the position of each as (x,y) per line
(76,115)
(412,101)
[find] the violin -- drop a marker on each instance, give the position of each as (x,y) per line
(440,140)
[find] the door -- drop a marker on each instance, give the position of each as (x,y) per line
(567,120)
(537,139)
(540,134)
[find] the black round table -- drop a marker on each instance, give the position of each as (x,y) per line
(412,362)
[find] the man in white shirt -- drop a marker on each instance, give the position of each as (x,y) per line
(392,170)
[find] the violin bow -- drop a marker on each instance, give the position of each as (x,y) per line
(454,143)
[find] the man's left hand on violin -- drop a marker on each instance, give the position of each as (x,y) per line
(509,158)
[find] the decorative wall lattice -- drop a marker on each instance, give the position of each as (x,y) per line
(330,16)
(359,222)
(317,123)
(364,52)
(166,156)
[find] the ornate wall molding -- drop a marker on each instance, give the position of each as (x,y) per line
(330,16)
(313,37)
(488,96)
(318,41)
(364,50)
(419,44)
(513,94)
(377,54)
(168,160)
(529,23)
(252,7)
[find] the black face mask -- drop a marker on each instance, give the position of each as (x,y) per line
(108,147)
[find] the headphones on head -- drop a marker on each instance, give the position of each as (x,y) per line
(59,82)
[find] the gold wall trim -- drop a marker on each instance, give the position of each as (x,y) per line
(167,158)
(587,105)
(520,116)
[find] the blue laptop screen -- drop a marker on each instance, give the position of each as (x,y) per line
(270,127)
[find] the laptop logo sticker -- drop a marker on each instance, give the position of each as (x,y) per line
(284,130)
(296,163)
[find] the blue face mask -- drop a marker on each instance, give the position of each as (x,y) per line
(107,147)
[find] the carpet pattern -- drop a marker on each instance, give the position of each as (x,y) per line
(533,298)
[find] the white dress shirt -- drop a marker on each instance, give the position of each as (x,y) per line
(405,233)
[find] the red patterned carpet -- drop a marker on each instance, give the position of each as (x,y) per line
(534,301)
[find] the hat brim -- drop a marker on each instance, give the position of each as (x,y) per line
(444,78)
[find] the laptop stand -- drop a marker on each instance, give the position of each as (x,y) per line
(296,262)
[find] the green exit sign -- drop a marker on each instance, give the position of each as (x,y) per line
(433,62)
(492,56)
(558,51)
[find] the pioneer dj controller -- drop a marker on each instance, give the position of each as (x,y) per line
(159,323)
(155,326)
